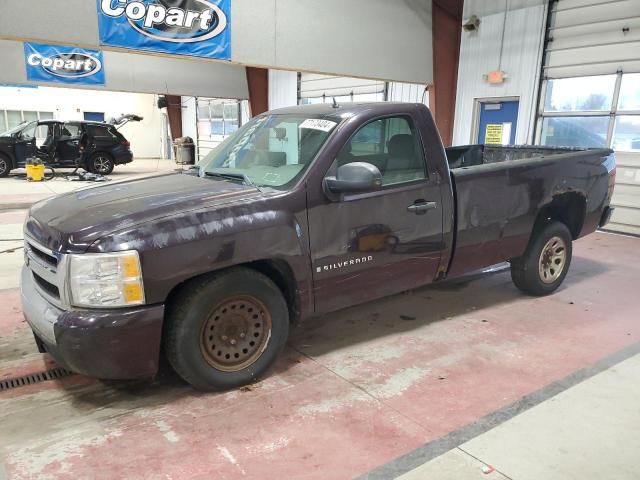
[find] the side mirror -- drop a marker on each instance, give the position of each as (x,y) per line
(353,178)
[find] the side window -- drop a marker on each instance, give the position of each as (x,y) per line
(391,144)
(98,131)
(43,135)
(29,133)
(70,130)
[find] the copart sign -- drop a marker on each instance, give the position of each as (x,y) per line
(52,63)
(183,27)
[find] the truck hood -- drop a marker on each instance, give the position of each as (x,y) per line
(73,221)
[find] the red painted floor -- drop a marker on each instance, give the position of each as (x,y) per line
(353,391)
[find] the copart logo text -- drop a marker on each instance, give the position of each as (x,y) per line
(73,65)
(193,21)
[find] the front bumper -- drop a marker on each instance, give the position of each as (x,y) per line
(606,216)
(107,344)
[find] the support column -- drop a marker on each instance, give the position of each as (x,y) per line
(174,111)
(258,82)
(447,28)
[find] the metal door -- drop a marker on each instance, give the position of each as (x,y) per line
(498,122)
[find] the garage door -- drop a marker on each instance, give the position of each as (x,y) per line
(315,88)
(590,94)
(217,118)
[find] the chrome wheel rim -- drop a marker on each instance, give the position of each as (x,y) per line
(552,260)
(3,166)
(101,164)
(236,333)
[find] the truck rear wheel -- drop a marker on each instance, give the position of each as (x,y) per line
(542,268)
(227,329)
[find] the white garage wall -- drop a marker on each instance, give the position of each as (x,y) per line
(70,104)
(283,89)
(389,40)
(521,57)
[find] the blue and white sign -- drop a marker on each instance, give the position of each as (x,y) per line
(182,27)
(71,65)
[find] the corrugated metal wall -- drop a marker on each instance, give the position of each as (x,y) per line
(601,37)
(524,29)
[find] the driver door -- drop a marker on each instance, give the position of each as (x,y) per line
(26,144)
(366,245)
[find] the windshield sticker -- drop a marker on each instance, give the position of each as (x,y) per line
(318,124)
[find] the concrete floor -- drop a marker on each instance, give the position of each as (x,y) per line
(437,383)
(16,192)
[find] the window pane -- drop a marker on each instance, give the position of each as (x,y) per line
(580,94)
(70,130)
(204,128)
(14,117)
(42,135)
(29,133)
(391,144)
(630,92)
(627,133)
(216,110)
(230,111)
(30,116)
(46,115)
(575,131)
(203,111)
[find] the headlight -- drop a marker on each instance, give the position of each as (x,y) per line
(106,279)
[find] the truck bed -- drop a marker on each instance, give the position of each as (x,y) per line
(473,155)
(498,192)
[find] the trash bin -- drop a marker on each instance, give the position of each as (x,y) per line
(184,151)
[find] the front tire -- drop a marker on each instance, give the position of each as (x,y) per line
(225,330)
(101,163)
(5,166)
(544,265)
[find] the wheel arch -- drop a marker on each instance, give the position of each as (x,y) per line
(10,158)
(568,208)
(277,270)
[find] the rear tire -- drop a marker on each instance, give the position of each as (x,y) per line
(545,263)
(101,164)
(5,166)
(225,330)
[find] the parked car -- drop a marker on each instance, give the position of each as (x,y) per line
(95,146)
(301,212)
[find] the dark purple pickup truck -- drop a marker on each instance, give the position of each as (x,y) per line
(301,212)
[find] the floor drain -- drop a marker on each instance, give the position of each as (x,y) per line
(32,378)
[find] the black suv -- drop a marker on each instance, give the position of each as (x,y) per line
(94,146)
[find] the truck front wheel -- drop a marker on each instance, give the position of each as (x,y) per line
(542,268)
(226,330)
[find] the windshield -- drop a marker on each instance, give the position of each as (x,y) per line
(14,130)
(269,151)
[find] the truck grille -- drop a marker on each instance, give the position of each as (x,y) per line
(48,287)
(45,257)
(45,267)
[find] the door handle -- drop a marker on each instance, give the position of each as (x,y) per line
(422,207)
